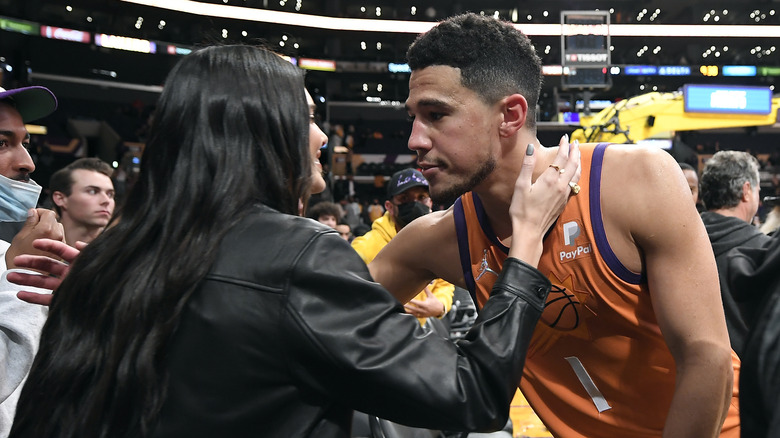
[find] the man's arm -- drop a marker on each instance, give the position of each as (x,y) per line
(20,326)
(423,250)
(683,281)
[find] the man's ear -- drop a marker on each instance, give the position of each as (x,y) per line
(59,198)
(514,112)
(389,207)
(746,191)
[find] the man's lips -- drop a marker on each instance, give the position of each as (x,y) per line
(428,168)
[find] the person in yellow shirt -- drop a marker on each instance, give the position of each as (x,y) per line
(407,199)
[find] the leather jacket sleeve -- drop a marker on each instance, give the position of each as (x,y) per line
(350,340)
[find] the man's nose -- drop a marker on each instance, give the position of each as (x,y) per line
(418,139)
(22,161)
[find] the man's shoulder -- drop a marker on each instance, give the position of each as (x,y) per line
(440,218)
(435,228)
(634,150)
(640,169)
(643,196)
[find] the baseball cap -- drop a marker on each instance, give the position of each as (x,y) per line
(404,180)
(32,102)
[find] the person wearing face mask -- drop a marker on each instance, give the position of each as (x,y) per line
(20,322)
(18,192)
(407,199)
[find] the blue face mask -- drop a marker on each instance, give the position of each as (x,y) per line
(16,198)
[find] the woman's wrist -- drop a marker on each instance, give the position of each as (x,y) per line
(526,248)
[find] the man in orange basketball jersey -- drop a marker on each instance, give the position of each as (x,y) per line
(633,342)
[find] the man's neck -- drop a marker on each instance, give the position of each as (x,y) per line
(75,232)
(738,212)
(496,192)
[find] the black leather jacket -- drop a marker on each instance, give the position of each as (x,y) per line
(288,334)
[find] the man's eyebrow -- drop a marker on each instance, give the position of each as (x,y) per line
(6,133)
(430,102)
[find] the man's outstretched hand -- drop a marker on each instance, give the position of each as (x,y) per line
(55,265)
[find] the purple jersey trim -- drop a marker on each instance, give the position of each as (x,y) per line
(461,230)
(484,223)
(597,221)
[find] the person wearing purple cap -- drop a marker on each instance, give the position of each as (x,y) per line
(32,103)
(18,193)
(20,322)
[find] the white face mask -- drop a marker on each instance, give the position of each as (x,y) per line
(16,198)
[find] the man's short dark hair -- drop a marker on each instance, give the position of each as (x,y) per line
(723,177)
(324,209)
(62,180)
(495,58)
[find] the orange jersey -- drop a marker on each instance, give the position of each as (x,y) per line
(597,365)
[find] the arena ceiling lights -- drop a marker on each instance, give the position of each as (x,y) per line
(417,27)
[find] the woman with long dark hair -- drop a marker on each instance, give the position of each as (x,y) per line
(210,308)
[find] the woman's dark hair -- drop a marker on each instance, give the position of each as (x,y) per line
(231,131)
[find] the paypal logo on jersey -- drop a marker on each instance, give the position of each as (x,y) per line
(571,231)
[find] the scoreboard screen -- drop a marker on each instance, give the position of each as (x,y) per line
(727,99)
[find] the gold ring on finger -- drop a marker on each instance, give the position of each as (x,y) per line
(574,187)
(558,168)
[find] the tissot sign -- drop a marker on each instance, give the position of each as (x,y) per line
(587,58)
